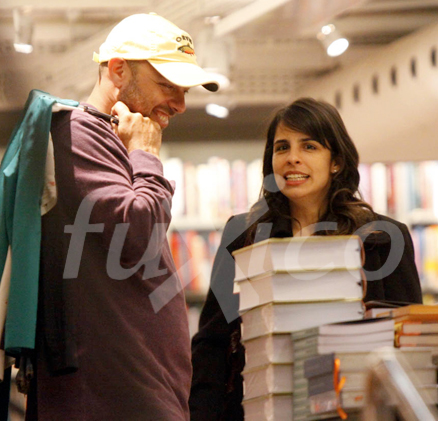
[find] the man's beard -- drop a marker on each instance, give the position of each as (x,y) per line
(130,96)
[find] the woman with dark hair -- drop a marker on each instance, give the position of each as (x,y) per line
(311,179)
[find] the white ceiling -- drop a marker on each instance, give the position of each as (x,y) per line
(270,45)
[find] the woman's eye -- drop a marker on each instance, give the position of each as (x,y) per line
(309,146)
(281,147)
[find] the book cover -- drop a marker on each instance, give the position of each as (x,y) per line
(298,253)
(289,317)
(283,286)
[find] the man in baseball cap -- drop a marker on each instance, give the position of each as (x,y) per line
(112,337)
(166,47)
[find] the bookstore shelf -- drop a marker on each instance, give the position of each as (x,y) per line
(207,194)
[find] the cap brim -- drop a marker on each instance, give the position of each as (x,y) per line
(186,75)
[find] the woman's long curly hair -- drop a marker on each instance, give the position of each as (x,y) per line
(322,122)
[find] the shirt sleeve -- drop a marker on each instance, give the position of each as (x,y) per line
(127,193)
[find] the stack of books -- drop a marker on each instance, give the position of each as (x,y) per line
(416,325)
(354,340)
(287,285)
(336,382)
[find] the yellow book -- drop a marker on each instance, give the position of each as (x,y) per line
(413,312)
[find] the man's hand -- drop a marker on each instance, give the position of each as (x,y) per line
(136,131)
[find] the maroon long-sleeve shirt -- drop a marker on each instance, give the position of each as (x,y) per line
(119,352)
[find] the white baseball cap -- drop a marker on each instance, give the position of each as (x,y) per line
(166,47)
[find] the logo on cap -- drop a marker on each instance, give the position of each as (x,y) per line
(187,49)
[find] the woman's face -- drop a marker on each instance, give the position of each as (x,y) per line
(303,168)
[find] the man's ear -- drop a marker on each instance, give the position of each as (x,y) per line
(118,71)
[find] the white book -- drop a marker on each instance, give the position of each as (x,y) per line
(254,179)
(272,378)
(383,336)
(286,286)
(290,317)
(323,253)
(268,349)
(268,408)
(173,169)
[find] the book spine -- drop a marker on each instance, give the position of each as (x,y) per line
(306,333)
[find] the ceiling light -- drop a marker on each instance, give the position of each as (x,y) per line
(334,43)
(217,110)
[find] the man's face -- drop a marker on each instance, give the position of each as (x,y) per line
(152,95)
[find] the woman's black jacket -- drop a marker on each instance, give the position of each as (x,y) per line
(217,353)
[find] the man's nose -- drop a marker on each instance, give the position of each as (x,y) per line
(178,102)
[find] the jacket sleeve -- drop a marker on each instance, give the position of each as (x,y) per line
(404,283)
(401,284)
(216,347)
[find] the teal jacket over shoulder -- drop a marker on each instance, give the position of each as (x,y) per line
(21,185)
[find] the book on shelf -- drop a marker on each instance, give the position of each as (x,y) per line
(269,379)
(254,177)
(173,169)
(268,349)
(290,317)
(322,253)
(284,286)
(191,190)
(272,407)
(239,193)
